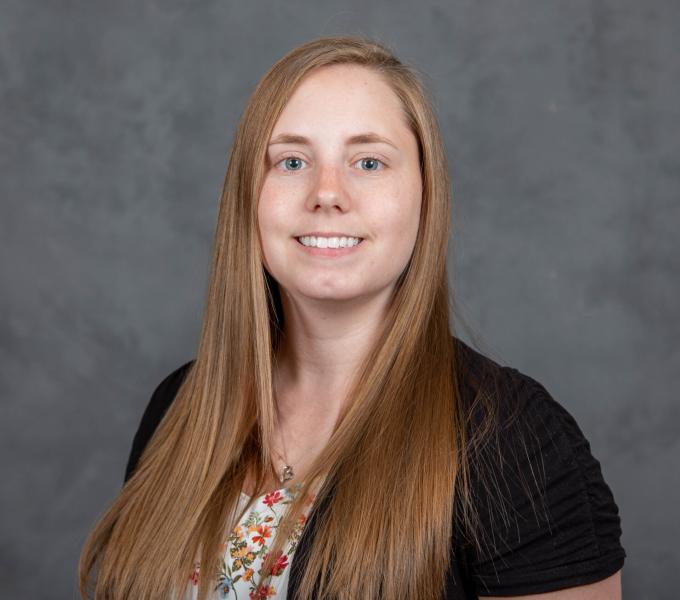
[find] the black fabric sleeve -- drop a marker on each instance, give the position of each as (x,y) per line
(547,519)
(160,400)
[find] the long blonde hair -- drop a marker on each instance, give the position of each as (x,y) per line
(397,454)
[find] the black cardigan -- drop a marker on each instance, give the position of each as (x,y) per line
(548,520)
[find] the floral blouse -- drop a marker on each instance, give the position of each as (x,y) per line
(247,547)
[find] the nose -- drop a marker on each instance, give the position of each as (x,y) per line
(329,190)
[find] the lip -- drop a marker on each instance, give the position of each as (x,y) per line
(329,252)
(328,234)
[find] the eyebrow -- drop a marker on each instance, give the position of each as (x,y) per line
(360,138)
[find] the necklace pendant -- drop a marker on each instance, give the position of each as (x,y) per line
(287,474)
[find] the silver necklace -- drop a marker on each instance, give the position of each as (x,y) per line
(287,471)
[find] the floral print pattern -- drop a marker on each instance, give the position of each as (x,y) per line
(247,547)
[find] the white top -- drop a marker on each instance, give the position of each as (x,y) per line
(246,546)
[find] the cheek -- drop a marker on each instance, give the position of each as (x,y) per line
(399,215)
(266,201)
(399,226)
(280,191)
(412,207)
(271,210)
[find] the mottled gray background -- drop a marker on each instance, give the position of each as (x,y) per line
(561,122)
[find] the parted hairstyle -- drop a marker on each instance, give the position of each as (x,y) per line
(402,435)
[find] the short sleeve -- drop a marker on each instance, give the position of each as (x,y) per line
(547,518)
(160,400)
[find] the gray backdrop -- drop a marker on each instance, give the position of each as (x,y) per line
(561,126)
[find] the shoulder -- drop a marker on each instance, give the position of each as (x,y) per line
(158,404)
(547,519)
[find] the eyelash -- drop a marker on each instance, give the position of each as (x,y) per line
(359,159)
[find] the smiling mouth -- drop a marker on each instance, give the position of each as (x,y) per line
(339,243)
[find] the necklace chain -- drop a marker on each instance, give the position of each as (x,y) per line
(287,471)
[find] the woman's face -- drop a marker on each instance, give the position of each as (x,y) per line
(326,182)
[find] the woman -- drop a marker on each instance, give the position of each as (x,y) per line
(332,438)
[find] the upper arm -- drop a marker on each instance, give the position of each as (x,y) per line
(160,400)
(550,524)
(605,589)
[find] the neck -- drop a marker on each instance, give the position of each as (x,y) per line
(319,354)
(323,345)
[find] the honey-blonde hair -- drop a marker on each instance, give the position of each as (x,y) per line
(396,459)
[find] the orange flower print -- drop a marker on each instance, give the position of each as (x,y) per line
(273,498)
(264,532)
(262,592)
(250,540)
(280,564)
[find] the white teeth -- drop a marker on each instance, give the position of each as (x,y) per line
(332,242)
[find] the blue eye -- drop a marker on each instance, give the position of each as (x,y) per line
(372,160)
(294,163)
(291,158)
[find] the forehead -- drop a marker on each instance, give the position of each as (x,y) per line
(343,97)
